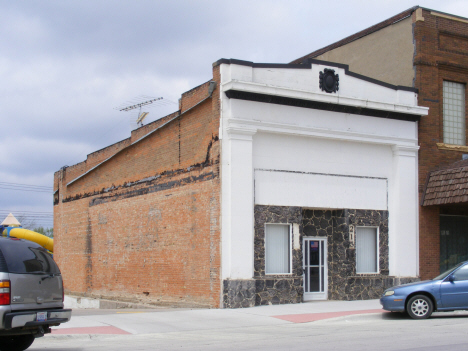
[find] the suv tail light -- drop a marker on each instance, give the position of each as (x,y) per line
(5,292)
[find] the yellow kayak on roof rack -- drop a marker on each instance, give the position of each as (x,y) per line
(27,234)
(12,227)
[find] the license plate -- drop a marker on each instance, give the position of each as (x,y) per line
(41,316)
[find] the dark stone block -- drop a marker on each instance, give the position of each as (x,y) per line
(324,223)
(339,221)
(245,304)
(282,285)
(339,214)
(350,255)
(238,293)
(260,285)
(361,213)
(275,210)
(316,222)
(310,231)
(322,232)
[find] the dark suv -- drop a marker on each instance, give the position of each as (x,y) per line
(31,293)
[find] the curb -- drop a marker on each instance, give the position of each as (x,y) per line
(78,302)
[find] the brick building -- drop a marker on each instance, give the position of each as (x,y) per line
(139,219)
(427,50)
(273,183)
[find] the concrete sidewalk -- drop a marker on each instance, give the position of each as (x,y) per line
(132,321)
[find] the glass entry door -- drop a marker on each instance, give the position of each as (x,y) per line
(315,269)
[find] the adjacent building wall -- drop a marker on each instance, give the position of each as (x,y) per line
(144,225)
(441,54)
(385,55)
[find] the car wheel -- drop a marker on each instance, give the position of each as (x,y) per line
(419,307)
(16,342)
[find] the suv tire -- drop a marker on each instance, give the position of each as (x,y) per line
(16,342)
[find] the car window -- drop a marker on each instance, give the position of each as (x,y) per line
(447,272)
(27,257)
(461,274)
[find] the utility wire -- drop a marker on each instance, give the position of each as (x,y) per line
(42,217)
(41,212)
(29,190)
(27,185)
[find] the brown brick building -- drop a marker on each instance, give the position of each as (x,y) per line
(139,219)
(428,50)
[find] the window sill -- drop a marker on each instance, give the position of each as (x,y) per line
(452,147)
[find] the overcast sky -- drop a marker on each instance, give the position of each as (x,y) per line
(66,65)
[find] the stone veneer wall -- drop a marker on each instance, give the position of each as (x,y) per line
(277,288)
(268,289)
(343,282)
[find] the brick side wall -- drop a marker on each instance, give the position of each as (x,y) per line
(142,131)
(144,226)
(193,96)
(97,157)
(435,61)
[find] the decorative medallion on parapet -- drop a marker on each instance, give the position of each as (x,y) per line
(329,81)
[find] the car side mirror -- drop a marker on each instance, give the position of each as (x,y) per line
(451,278)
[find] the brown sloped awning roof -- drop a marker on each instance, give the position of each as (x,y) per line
(448,185)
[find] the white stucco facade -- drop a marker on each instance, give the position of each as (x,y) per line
(283,155)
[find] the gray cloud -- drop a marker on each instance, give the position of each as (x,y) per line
(65,65)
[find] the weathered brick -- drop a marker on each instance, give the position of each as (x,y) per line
(145,225)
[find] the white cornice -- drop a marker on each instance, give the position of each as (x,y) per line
(405,150)
(322,97)
(239,132)
(238,126)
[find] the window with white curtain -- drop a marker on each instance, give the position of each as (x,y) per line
(454,113)
(277,249)
(366,250)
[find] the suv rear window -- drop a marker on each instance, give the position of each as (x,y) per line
(22,256)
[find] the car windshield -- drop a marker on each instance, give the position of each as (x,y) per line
(447,272)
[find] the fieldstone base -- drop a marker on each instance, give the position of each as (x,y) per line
(366,287)
(256,292)
(239,293)
(278,291)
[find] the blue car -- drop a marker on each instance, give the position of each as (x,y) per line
(446,292)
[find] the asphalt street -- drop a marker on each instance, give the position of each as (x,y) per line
(328,325)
